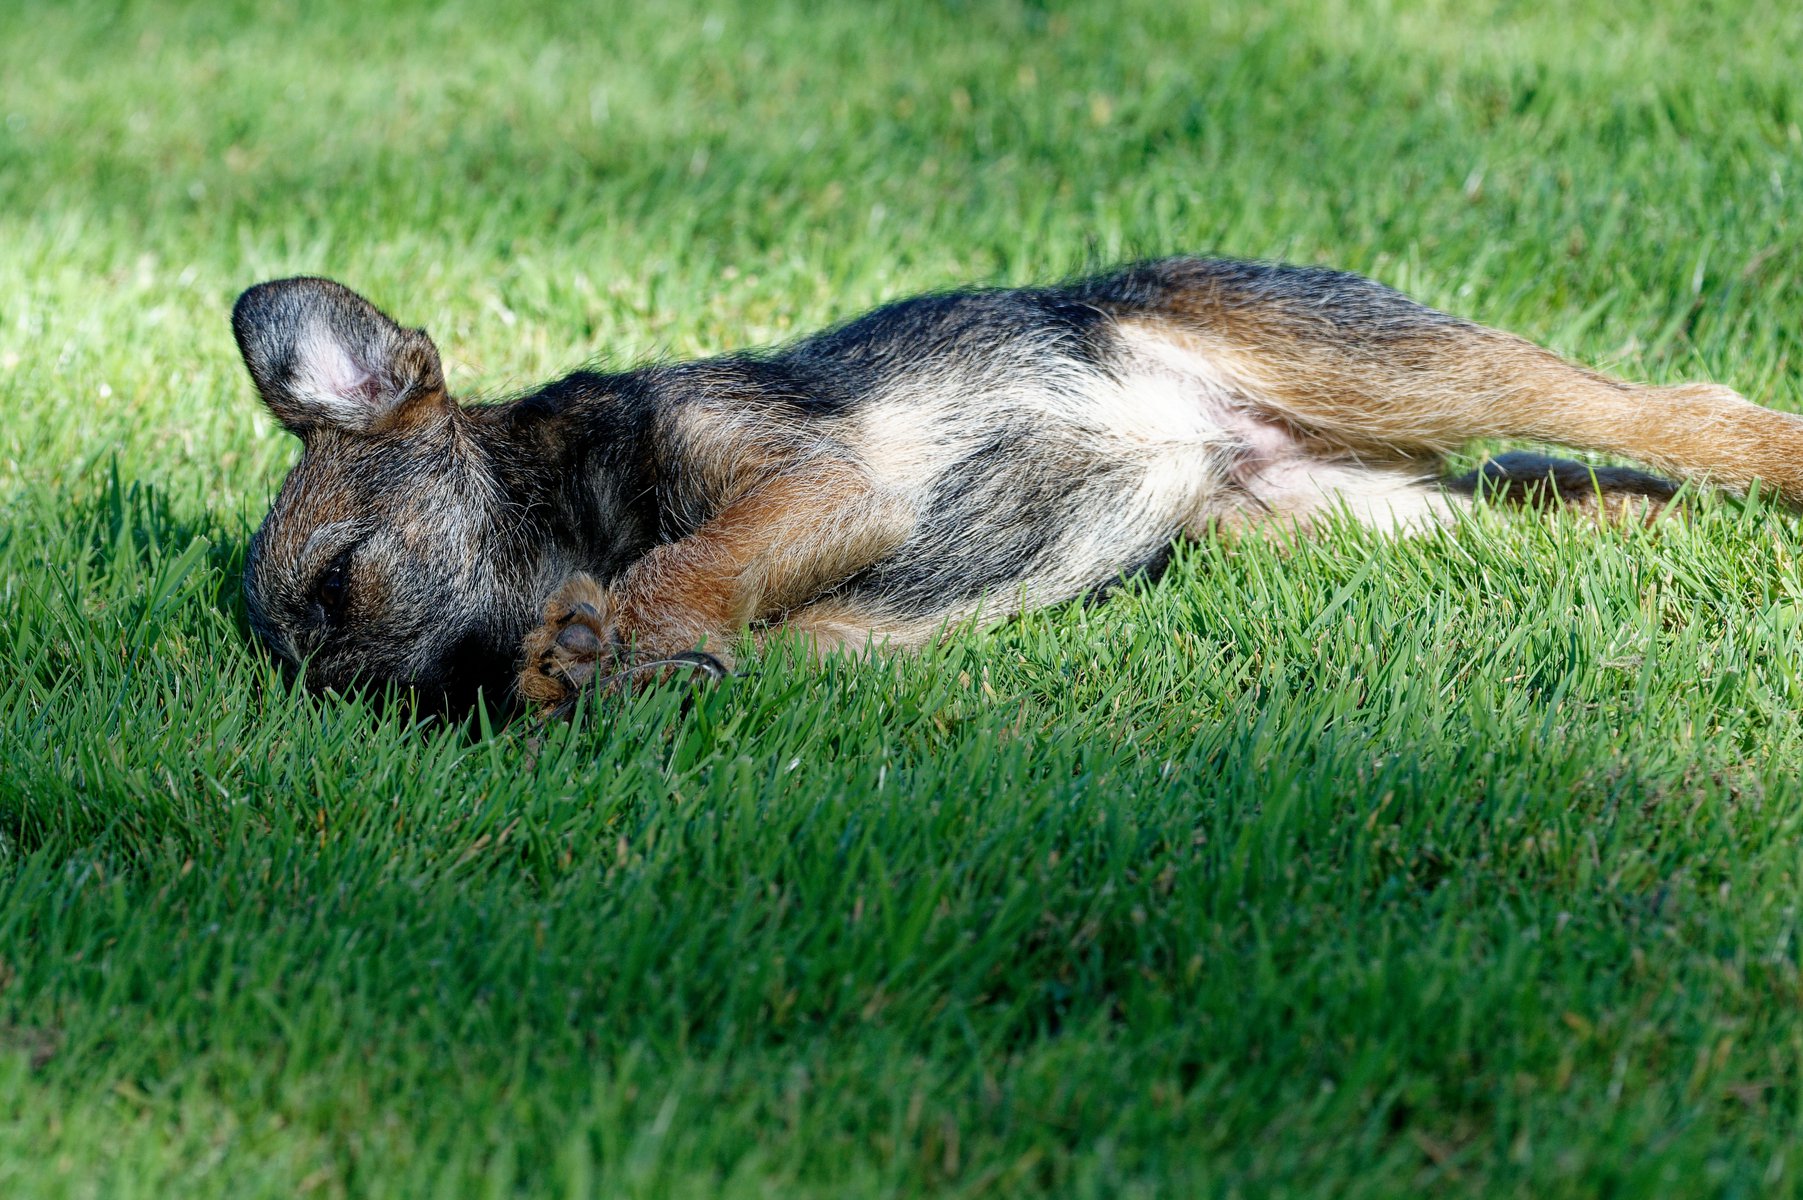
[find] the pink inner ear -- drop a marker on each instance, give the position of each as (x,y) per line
(330,373)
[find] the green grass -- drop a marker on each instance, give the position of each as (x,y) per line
(1467,864)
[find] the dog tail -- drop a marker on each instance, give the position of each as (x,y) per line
(1539,480)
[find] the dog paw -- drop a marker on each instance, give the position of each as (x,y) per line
(581,646)
(575,641)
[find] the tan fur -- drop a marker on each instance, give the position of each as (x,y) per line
(830,626)
(1433,390)
(782,541)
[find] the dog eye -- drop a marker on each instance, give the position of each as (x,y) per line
(331,590)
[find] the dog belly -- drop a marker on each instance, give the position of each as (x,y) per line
(1039,481)
(1033,491)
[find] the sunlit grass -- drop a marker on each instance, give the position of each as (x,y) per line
(1354,867)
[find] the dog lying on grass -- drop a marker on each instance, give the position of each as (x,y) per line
(954,457)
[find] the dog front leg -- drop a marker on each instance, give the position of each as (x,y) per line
(776,546)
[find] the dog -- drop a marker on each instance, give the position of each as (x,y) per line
(942,461)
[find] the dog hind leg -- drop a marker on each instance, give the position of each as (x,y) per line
(1363,370)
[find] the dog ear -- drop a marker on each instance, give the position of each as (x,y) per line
(323,357)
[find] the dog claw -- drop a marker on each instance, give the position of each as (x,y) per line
(698,661)
(703,662)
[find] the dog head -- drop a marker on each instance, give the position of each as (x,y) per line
(380,559)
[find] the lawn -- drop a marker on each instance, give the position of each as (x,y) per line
(1468,864)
